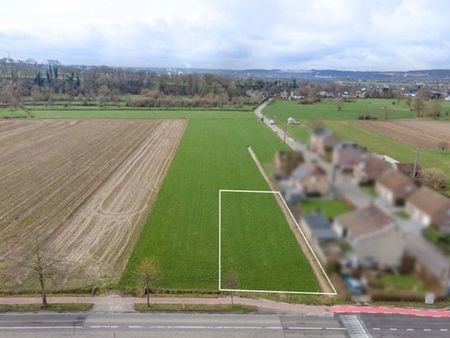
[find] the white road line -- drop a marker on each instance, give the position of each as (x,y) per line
(199,327)
(410,329)
(304,328)
(335,328)
(376,328)
(444,330)
(135,327)
(393,329)
(39,327)
(103,326)
(428,330)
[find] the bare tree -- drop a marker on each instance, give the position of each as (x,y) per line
(146,275)
(434,178)
(419,105)
(43,268)
(339,104)
(443,146)
(435,110)
(387,112)
(408,101)
(316,124)
(231,282)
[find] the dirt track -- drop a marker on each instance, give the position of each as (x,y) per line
(421,133)
(85,187)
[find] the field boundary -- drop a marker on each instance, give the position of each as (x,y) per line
(277,195)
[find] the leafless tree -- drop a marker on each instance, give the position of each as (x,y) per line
(419,105)
(42,266)
(434,178)
(435,110)
(146,275)
(231,282)
(443,146)
(339,104)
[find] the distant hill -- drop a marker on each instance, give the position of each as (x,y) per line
(431,75)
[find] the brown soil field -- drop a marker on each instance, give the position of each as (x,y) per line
(420,133)
(82,188)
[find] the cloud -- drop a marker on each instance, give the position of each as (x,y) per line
(294,34)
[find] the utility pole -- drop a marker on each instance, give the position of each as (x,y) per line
(415,163)
(285,130)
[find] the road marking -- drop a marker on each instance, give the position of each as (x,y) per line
(376,328)
(39,327)
(304,328)
(103,326)
(393,329)
(135,327)
(410,329)
(444,330)
(354,327)
(428,330)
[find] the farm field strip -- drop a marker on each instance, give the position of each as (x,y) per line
(421,133)
(213,155)
(241,223)
(56,178)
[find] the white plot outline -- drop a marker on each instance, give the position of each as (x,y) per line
(334,293)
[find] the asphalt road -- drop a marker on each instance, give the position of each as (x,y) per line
(167,325)
(219,325)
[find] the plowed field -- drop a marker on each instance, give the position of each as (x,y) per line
(420,133)
(83,188)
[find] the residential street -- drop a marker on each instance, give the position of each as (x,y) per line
(350,192)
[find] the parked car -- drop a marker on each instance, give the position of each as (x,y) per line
(355,286)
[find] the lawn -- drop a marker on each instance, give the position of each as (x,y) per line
(403,152)
(326,110)
(399,283)
(258,246)
(330,208)
(181,232)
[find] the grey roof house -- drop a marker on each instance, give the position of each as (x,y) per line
(319,227)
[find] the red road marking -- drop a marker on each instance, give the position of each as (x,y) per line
(387,310)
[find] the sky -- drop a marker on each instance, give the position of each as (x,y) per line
(286,34)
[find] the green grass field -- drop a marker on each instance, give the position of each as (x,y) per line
(326,110)
(258,246)
(12,113)
(141,114)
(181,232)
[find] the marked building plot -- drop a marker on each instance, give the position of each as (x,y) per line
(83,187)
(258,249)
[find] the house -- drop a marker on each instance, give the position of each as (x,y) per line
(409,169)
(373,235)
(285,161)
(323,141)
(394,187)
(369,169)
(311,180)
(428,259)
(429,207)
(318,227)
(346,155)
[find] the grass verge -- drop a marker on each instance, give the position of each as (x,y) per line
(63,307)
(206,308)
